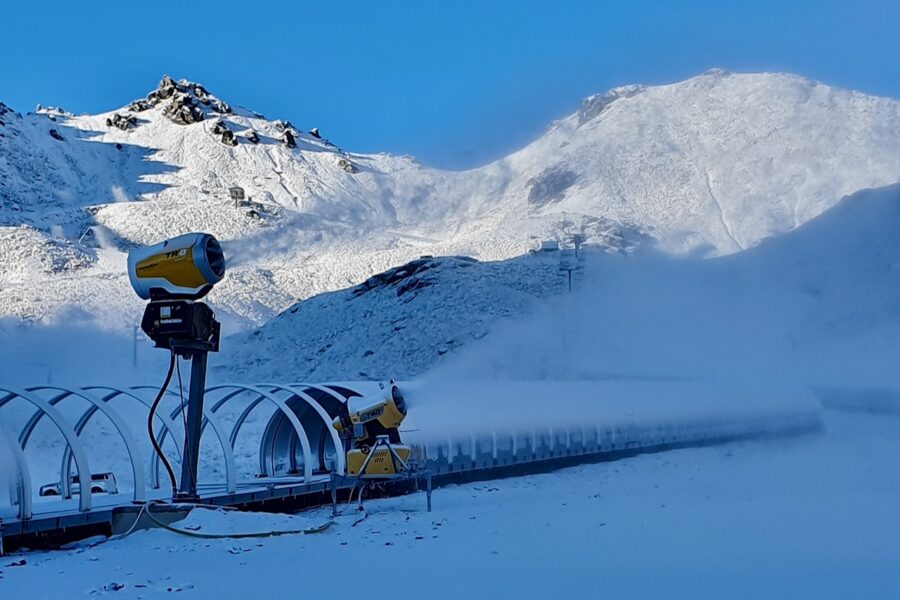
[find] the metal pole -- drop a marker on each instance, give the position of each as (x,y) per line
(334,511)
(191,457)
(134,345)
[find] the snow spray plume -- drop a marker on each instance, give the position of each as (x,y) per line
(105,238)
(648,333)
(816,306)
(294,235)
(644,317)
(118,194)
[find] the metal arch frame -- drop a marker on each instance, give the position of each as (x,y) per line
(278,402)
(81,460)
(24,491)
(232,438)
(227,449)
(323,387)
(134,454)
(341,466)
(167,423)
(463,451)
(267,458)
(326,386)
(236,428)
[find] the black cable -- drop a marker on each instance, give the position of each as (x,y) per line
(152,414)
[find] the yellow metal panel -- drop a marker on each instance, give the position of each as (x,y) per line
(381,463)
(177,267)
(385,413)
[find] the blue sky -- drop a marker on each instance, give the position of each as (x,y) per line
(454,83)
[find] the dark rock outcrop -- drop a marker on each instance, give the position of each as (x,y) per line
(187,101)
(123,122)
(550,185)
(347,165)
(228,138)
(598,103)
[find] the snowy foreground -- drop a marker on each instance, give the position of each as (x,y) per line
(808,517)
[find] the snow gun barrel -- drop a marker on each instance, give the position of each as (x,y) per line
(184,267)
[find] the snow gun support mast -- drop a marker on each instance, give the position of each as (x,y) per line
(174,275)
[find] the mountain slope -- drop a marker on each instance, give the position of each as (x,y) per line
(396,324)
(722,160)
(816,305)
(710,165)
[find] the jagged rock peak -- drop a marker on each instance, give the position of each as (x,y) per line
(52,111)
(186,101)
(596,104)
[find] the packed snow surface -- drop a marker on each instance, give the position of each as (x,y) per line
(807,517)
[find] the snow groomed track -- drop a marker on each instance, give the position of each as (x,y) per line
(458,430)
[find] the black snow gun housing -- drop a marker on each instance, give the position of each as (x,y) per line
(173,275)
(370,428)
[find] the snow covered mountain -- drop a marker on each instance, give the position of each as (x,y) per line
(711,165)
(816,305)
(395,324)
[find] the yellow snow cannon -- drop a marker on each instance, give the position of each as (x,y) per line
(371,427)
(184,267)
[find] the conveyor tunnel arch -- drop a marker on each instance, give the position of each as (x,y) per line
(298,433)
(43,407)
(316,407)
(298,446)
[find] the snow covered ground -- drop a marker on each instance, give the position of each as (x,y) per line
(808,517)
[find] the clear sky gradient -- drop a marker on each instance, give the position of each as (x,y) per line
(455,83)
